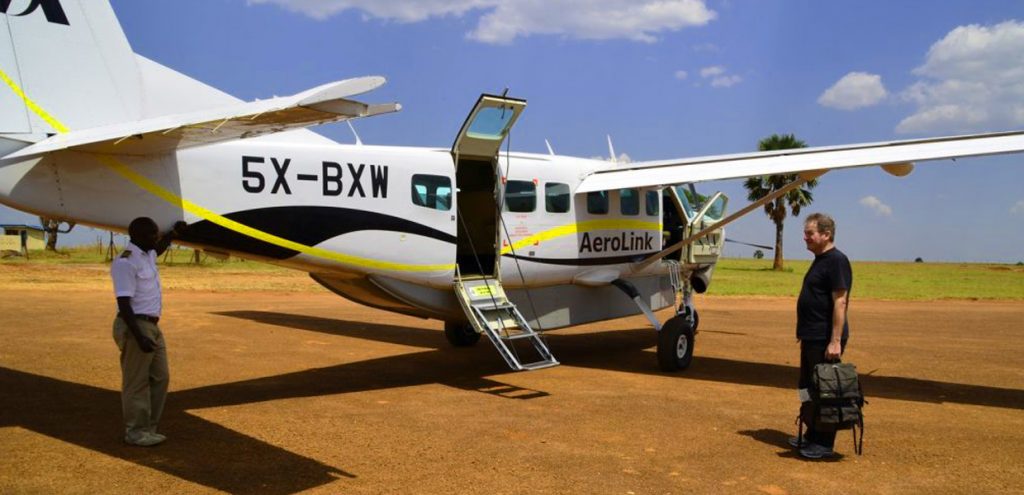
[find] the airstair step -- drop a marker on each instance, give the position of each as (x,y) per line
(492,314)
(488,305)
(539,365)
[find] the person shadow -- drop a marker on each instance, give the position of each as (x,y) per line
(780,439)
(199,451)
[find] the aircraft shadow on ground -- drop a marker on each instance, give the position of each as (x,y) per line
(618,350)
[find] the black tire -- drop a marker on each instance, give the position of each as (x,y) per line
(460,334)
(675,345)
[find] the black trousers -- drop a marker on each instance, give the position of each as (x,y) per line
(812,353)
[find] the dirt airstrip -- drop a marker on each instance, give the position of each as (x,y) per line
(302,391)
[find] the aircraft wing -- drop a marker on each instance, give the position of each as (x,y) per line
(895,156)
(320,105)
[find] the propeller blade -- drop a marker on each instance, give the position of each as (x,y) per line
(770,248)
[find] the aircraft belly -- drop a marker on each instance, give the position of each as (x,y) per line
(361,290)
(439,302)
(566,305)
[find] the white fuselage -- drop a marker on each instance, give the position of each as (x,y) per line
(350,211)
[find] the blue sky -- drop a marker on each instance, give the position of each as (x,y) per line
(665,79)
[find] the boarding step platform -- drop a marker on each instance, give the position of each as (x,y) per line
(492,314)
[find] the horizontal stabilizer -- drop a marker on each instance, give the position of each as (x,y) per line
(320,105)
(896,155)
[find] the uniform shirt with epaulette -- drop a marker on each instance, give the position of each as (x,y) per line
(135,276)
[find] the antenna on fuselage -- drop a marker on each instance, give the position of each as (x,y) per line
(611,149)
(550,151)
(359,142)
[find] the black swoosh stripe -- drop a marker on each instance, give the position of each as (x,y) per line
(307,225)
(608,260)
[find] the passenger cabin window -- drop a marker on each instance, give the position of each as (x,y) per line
(432,191)
(597,202)
(556,197)
(520,196)
(629,201)
(653,201)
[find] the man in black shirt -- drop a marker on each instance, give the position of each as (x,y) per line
(821,325)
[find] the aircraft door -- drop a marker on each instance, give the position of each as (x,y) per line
(475,153)
(707,249)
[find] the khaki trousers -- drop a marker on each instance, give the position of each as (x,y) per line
(144,378)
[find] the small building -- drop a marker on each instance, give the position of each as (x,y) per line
(21,238)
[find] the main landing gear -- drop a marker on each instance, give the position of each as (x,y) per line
(460,334)
(676,339)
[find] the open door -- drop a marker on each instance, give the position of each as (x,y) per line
(676,216)
(707,249)
(686,213)
(475,152)
(478,257)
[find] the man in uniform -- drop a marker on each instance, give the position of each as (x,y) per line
(821,327)
(144,373)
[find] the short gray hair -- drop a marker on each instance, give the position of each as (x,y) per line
(824,222)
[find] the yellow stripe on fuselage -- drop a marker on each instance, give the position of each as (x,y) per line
(586,226)
(206,214)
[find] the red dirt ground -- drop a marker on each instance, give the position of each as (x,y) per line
(304,391)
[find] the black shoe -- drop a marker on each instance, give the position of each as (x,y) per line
(797,442)
(815,451)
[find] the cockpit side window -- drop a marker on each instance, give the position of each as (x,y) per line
(652,204)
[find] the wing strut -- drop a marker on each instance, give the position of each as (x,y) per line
(803,178)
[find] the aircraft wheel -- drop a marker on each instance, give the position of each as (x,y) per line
(460,334)
(696,316)
(675,344)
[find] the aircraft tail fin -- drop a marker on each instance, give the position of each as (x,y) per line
(68,66)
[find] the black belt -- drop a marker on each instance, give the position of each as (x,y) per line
(152,319)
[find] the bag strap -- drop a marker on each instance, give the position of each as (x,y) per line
(839,390)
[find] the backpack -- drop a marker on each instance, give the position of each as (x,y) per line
(836,403)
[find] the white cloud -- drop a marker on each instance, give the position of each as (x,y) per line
(725,81)
(712,71)
(876,205)
(972,79)
(590,19)
(1018,208)
(681,75)
(502,22)
(720,78)
(855,90)
(622,158)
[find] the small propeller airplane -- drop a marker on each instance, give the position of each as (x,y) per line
(491,242)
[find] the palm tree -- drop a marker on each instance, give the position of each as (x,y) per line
(762,186)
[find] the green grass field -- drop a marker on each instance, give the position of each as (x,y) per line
(877,280)
(732,277)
